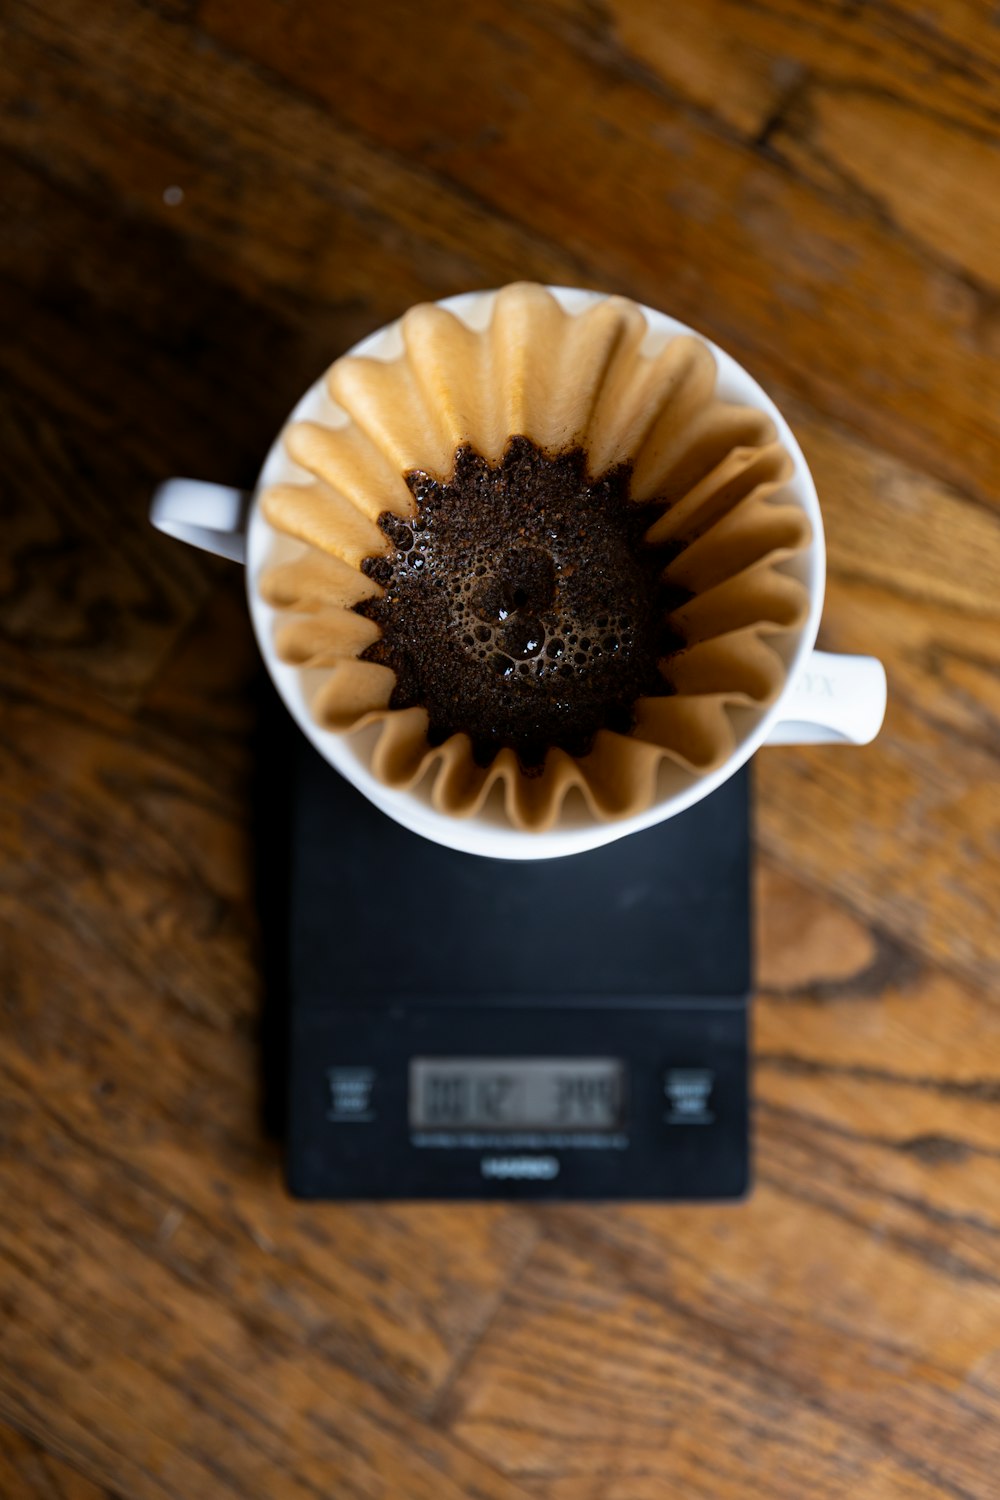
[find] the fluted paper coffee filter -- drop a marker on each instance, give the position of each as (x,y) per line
(563,380)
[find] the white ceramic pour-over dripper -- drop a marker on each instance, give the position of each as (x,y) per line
(826,698)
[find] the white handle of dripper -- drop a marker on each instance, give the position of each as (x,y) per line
(210,516)
(833,700)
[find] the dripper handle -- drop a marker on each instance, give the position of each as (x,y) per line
(833,700)
(210,516)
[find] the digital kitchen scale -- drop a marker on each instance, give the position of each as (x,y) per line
(462,1027)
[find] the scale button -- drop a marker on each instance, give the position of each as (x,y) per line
(688,1092)
(349,1095)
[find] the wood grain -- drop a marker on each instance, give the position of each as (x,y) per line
(708,250)
(813,185)
(26,1468)
(590,1389)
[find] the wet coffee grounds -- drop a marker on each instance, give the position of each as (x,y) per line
(522,605)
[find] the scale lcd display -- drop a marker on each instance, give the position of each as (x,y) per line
(517,1093)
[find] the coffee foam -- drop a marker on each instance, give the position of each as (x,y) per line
(517,639)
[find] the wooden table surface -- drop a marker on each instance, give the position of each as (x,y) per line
(205,201)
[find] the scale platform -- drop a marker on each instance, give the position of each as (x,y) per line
(467,1028)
